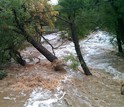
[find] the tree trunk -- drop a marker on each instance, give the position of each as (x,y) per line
(17,57)
(52,58)
(57,65)
(120,34)
(120,26)
(40,48)
(120,49)
(77,48)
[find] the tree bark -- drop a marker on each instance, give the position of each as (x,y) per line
(40,48)
(77,48)
(17,57)
(57,65)
(120,49)
(120,34)
(120,26)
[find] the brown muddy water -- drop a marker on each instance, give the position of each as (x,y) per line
(38,85)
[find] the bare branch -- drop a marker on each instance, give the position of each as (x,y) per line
(37,30)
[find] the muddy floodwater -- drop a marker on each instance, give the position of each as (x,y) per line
(38,85)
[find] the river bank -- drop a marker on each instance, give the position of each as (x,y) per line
(38,85)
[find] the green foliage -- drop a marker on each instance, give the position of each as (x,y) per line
(71,7)
(74,63)
(30,14)
(65,35)
(108,15)
(85,24)
(91,14)
(8,38)
(79,12)
(111,18)
(2,74)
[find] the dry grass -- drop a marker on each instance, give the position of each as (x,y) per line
(30,82)
(33,75)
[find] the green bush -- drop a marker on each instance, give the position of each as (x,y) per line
(2,74)
(74,61)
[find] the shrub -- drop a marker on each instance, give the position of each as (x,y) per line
(2,74)
(74,63)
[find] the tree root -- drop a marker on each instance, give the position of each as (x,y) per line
(58,65)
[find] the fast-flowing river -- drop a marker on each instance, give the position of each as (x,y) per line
(71,89)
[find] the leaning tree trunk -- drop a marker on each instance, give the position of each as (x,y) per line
(40,48)
(77,48)
(52,58)
(57,65)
